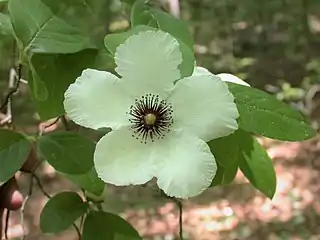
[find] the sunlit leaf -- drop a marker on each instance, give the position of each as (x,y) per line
(41,31)
(263,114)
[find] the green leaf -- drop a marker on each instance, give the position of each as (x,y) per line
(225,175)
(230,173)
(102,226)
(52,75)
(112,41)
(176,27)
(188,60)
(263,114)
(14,151)
(256,165)
(5,25)
(218,178)
(61,212)
(67,152)
(41,31)
(226,149)
(89,182)
(140,14)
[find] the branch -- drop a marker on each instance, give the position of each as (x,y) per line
(43,128)
(13,86)
(14,83)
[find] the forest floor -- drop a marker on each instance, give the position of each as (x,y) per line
(235,212)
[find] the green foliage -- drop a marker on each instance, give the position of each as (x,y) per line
(41,31)
(57,52)
(67,152)
(176,27)
(89,182)
(61,212)
(225,176)
(140,14)
(56,72)
(14,151)
(112,41)
(103,225)
(243,150)
(5,25)
(225,149)
(256,165)
(263,114)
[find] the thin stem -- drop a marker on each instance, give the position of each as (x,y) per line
(6,227)
(77,230)
(30,191)
(179,204)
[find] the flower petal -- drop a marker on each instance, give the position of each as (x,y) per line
(203,106)
(121,159)
(149,59)
(186,165)
(96,100)
(200,71)
(227,77)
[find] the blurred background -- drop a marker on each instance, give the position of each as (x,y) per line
(272,44)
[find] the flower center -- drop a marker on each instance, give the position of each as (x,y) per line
(150,117)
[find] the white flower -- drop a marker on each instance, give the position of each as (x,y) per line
(159,129)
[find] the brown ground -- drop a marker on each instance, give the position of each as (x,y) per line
(231,212)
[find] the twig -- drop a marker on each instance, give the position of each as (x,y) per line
(23,81)
(40,185)
(7,118)
(14,83)
(43,128)
(77,230)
